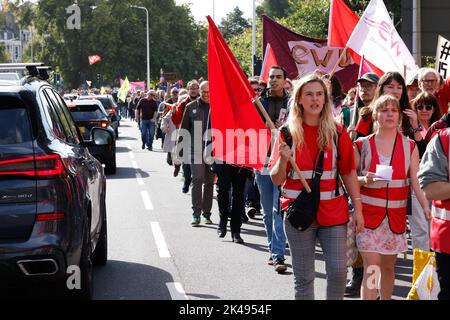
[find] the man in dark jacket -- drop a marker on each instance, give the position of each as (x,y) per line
(195,122)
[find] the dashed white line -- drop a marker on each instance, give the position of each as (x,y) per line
(176,291)
(134,164)
(139,179)
(131,154)
(159,239)
(147,202)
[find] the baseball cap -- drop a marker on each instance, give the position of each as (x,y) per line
(371,77)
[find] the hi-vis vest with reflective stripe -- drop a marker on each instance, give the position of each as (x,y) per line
(383,198)
(440,210)
(333,210)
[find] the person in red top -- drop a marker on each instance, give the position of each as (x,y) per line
(314,129)
(385,196)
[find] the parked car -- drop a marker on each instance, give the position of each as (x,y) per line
(52,190)
(70,96)
(90,114)
(110,106)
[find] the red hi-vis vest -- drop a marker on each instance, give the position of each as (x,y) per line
(380,198)
(440,209)
(333,210)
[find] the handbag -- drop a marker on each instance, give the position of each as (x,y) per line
(302,212)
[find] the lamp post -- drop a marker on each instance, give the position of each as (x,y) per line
(148,45)
(253,37)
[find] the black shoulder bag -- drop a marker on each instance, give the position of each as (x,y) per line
(302,212)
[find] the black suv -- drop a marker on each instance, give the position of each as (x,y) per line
(52,190)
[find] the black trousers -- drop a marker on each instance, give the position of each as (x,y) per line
(187,174)
(443,271)
(230,178)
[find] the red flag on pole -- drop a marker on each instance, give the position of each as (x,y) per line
(239,135)
(269,61)
(94,59)
(342,22)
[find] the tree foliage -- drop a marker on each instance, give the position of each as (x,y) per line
(233,24)
(117,33)
(275,8)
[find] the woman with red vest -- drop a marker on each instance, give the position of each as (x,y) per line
(313,130)
(384,201)
(434,180)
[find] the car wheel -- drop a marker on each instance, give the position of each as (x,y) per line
(85,292)
(110,165)
(100,255)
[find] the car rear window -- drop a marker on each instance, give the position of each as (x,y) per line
(86,112)
(15,127)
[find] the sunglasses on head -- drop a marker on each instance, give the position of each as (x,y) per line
(421,107)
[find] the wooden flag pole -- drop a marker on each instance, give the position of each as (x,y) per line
(339,61)
(272,127)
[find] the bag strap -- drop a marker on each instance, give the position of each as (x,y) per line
(319,168)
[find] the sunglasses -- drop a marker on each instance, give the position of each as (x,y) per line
(421,107)
(257,90)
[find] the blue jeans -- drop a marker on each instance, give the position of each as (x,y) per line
(147,132)
(270,202)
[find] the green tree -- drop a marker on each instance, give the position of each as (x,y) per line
(308,17)
(117,33)
(4,56)
(233,24)
(274,8)
(241,46)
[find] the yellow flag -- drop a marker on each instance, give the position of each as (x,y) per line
(102,90)
(122,95)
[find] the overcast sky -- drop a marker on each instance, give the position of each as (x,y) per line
(201,8)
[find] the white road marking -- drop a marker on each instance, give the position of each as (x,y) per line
(176,291)
(159,239)
(134,164)
(147,202)
(131,154)
(139,179)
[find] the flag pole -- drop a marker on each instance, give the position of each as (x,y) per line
(339,61)
(272,127)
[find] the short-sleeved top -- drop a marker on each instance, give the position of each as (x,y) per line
(346,161)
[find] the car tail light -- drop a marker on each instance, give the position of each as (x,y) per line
(103,124)
(46,166)
(112,111)
(49,216)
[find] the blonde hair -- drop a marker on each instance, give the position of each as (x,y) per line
(327,124)
(383,101)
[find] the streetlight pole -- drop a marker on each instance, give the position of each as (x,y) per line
(148,45)
(253,38)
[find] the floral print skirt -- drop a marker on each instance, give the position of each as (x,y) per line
(382,240)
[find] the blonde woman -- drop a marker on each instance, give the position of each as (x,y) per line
(313,130)
(384,202)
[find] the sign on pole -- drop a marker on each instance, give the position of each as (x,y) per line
(443,57)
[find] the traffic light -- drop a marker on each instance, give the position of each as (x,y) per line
(98,77)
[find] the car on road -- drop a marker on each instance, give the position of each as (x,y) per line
(52,190)
(90,114)
(110,106)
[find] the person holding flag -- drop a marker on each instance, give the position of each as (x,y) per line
(314,131)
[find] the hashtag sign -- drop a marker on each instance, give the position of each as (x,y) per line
(445,51)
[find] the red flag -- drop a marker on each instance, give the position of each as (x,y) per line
(342,22)
(340,27)
(94,59)
(269,61)
(239,135)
